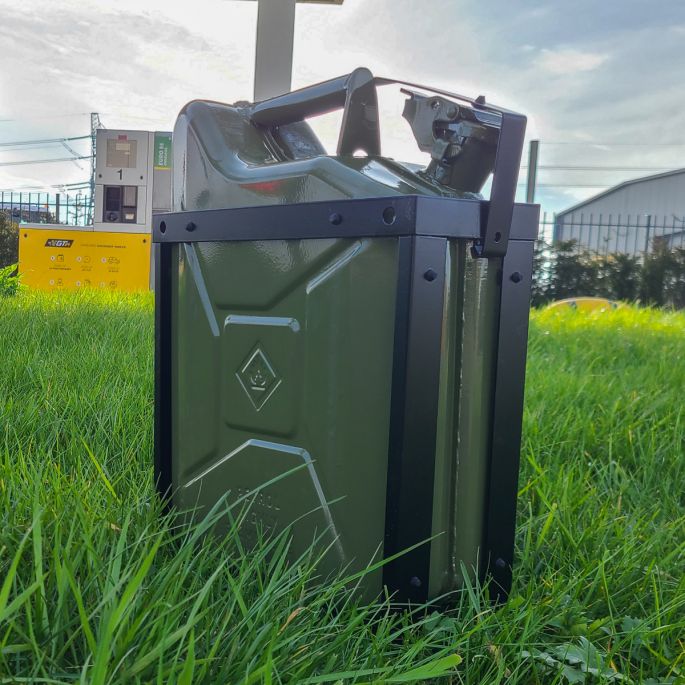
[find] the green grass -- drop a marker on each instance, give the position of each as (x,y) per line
(97,586)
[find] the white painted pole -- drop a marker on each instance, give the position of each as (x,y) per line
(274,50)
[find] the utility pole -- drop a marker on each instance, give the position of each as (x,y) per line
(95,124)
(532,170)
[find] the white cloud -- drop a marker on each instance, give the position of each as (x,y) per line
(569,60)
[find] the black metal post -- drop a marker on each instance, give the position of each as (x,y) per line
(414,410)
(162,419)
(510,371)
(647,232)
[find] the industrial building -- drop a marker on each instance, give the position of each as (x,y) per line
(628,217)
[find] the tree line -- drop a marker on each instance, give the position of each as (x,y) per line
(565,269)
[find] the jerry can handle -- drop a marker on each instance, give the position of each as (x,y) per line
(355,93)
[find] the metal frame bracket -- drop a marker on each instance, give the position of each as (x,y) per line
(498,212)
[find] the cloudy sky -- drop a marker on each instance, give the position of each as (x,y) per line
(601,82)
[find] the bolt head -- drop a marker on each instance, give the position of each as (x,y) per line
(516,277)
(335,218)
(430,275)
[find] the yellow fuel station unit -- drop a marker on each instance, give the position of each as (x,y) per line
(133,181)
(75,257)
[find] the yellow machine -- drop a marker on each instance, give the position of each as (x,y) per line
(53,258)
(585,304)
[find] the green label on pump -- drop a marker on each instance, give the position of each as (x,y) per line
(162,151)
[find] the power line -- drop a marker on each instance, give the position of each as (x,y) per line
(552,167)
(570,185)
(574,185)
(80,185)
(47,116)
(68,148)
(66,187)
(44,141)
(44,161)
(25,148)
(622,144)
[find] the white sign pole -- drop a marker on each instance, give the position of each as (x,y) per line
(274,52)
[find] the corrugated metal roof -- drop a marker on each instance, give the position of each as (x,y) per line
(620,186)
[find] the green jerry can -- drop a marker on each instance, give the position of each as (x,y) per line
(349,329)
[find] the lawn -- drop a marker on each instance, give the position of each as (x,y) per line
(98,586)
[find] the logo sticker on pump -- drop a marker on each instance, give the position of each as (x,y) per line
(58,242)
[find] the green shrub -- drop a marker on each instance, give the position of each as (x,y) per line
(9,280)
(621,276)
(9,241)
(573,272)
(657,271)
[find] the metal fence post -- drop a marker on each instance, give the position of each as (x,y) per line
(532,170)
